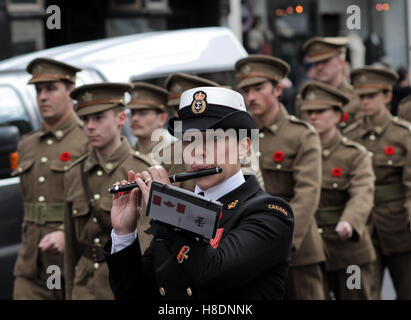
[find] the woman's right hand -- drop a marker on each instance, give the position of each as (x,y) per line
(125,208)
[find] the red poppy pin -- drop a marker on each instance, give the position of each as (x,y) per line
(65,156)
(389,151)
(344,117)
(336,172)
(278,156)
(183,254)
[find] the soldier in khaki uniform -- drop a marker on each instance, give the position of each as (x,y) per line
(388,139)
(346,194)
(328,57)
(87,201)
(148,113)
(44,155)
(178,82)
(290,160)
(404,108)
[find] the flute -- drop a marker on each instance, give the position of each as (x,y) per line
(182,176)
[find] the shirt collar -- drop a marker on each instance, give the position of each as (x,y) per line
(224,187)
(379,126)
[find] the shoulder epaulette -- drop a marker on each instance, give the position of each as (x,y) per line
(402,123)
(82,158)
(405,100)
(352,126)
(352,144)
(296,120)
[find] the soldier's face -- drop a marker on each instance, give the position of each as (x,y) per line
(374,103)
(323,120)
(103,128)
(143,122)
(328,69)
(261,98)
(53,99)
(213,152)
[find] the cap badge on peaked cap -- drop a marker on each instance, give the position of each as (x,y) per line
(199,103)
(312,96)
(177,88)
(135,95)
(363,78)
(87,96)
(38,69)
(246,69)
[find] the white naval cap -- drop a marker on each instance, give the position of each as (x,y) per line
(212,108)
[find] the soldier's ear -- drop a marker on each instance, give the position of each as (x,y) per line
(164,117)
(387,96)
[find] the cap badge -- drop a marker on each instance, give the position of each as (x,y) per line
(199,103)
(363,78)
(177,88)
(317,48)
(312,96)
(38,69)
(87,96)
(246,69)
(135,95)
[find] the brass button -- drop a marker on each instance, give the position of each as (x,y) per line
(20,169)
(96,196)
(96,241)
(189,291)
(59,134)
(372,137)
(162,291)
(389,162)
(96,265)
(75,211)
(258,154)
(41,179)
(378,129)
(65,168)
(94,219)
(326,153)
(335,185)
(344,139)
(137,153)
(109,165)
(49,142)
(41,199)
(43,159)
(100,173)
(274,127)
(278,166)
(261,135)
(343,124)
(371,154)
(320,230)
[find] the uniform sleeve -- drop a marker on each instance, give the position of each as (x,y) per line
(72,248)
(261,241)
(361,191)
(307,188)
(406,176)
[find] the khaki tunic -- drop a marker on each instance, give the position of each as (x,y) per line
(44,156)
(346,197)
(352,109)
(392,211)
(86,233)
(404,108)
(297,178)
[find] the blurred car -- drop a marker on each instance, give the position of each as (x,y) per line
(208,52)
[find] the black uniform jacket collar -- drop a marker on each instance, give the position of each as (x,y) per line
(233,200)
(117,158)
(63,129)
